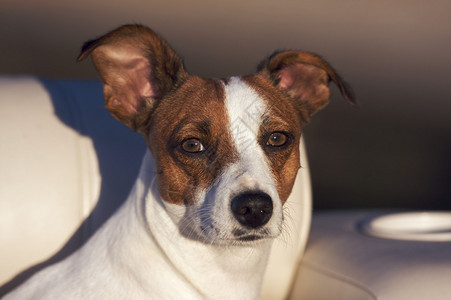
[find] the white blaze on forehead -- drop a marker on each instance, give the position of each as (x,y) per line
(246,109)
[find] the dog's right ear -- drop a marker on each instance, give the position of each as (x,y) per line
(137,68)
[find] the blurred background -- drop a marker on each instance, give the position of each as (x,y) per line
(394,151)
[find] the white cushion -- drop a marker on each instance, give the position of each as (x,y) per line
(341,262)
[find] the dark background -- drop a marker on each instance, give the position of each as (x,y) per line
(393,152)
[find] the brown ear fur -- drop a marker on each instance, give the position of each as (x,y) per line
(137,68)
(304,77)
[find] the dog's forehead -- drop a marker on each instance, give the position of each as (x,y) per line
(246,110)
(197,99)
(220,102)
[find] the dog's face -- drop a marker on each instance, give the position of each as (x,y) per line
(218,143)
(226,150)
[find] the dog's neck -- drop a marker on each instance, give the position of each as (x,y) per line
(204,269)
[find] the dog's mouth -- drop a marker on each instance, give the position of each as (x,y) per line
(251,238)
(237,236)
(246,236)
(245,240)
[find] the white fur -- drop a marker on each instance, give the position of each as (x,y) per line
(154,250)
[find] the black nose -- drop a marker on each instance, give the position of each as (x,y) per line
(252,209)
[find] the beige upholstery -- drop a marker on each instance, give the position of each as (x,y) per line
(343,263)
(66,165)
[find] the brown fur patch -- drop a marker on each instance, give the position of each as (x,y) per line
(195,110)
(281,116)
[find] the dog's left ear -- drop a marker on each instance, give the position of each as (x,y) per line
(137,68)
(304,77)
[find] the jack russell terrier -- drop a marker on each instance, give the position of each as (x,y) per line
(207,204)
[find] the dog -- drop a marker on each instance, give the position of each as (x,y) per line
(222,158)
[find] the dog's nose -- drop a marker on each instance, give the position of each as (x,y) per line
(252,209)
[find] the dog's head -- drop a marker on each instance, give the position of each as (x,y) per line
(226,150)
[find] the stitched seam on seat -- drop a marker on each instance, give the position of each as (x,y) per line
(339,277)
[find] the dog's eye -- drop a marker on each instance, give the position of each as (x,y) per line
(277,139)
(192,146)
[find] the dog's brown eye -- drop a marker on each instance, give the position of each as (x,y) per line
(277,139)
(192,145)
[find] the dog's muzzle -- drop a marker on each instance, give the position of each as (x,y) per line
(252,210)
